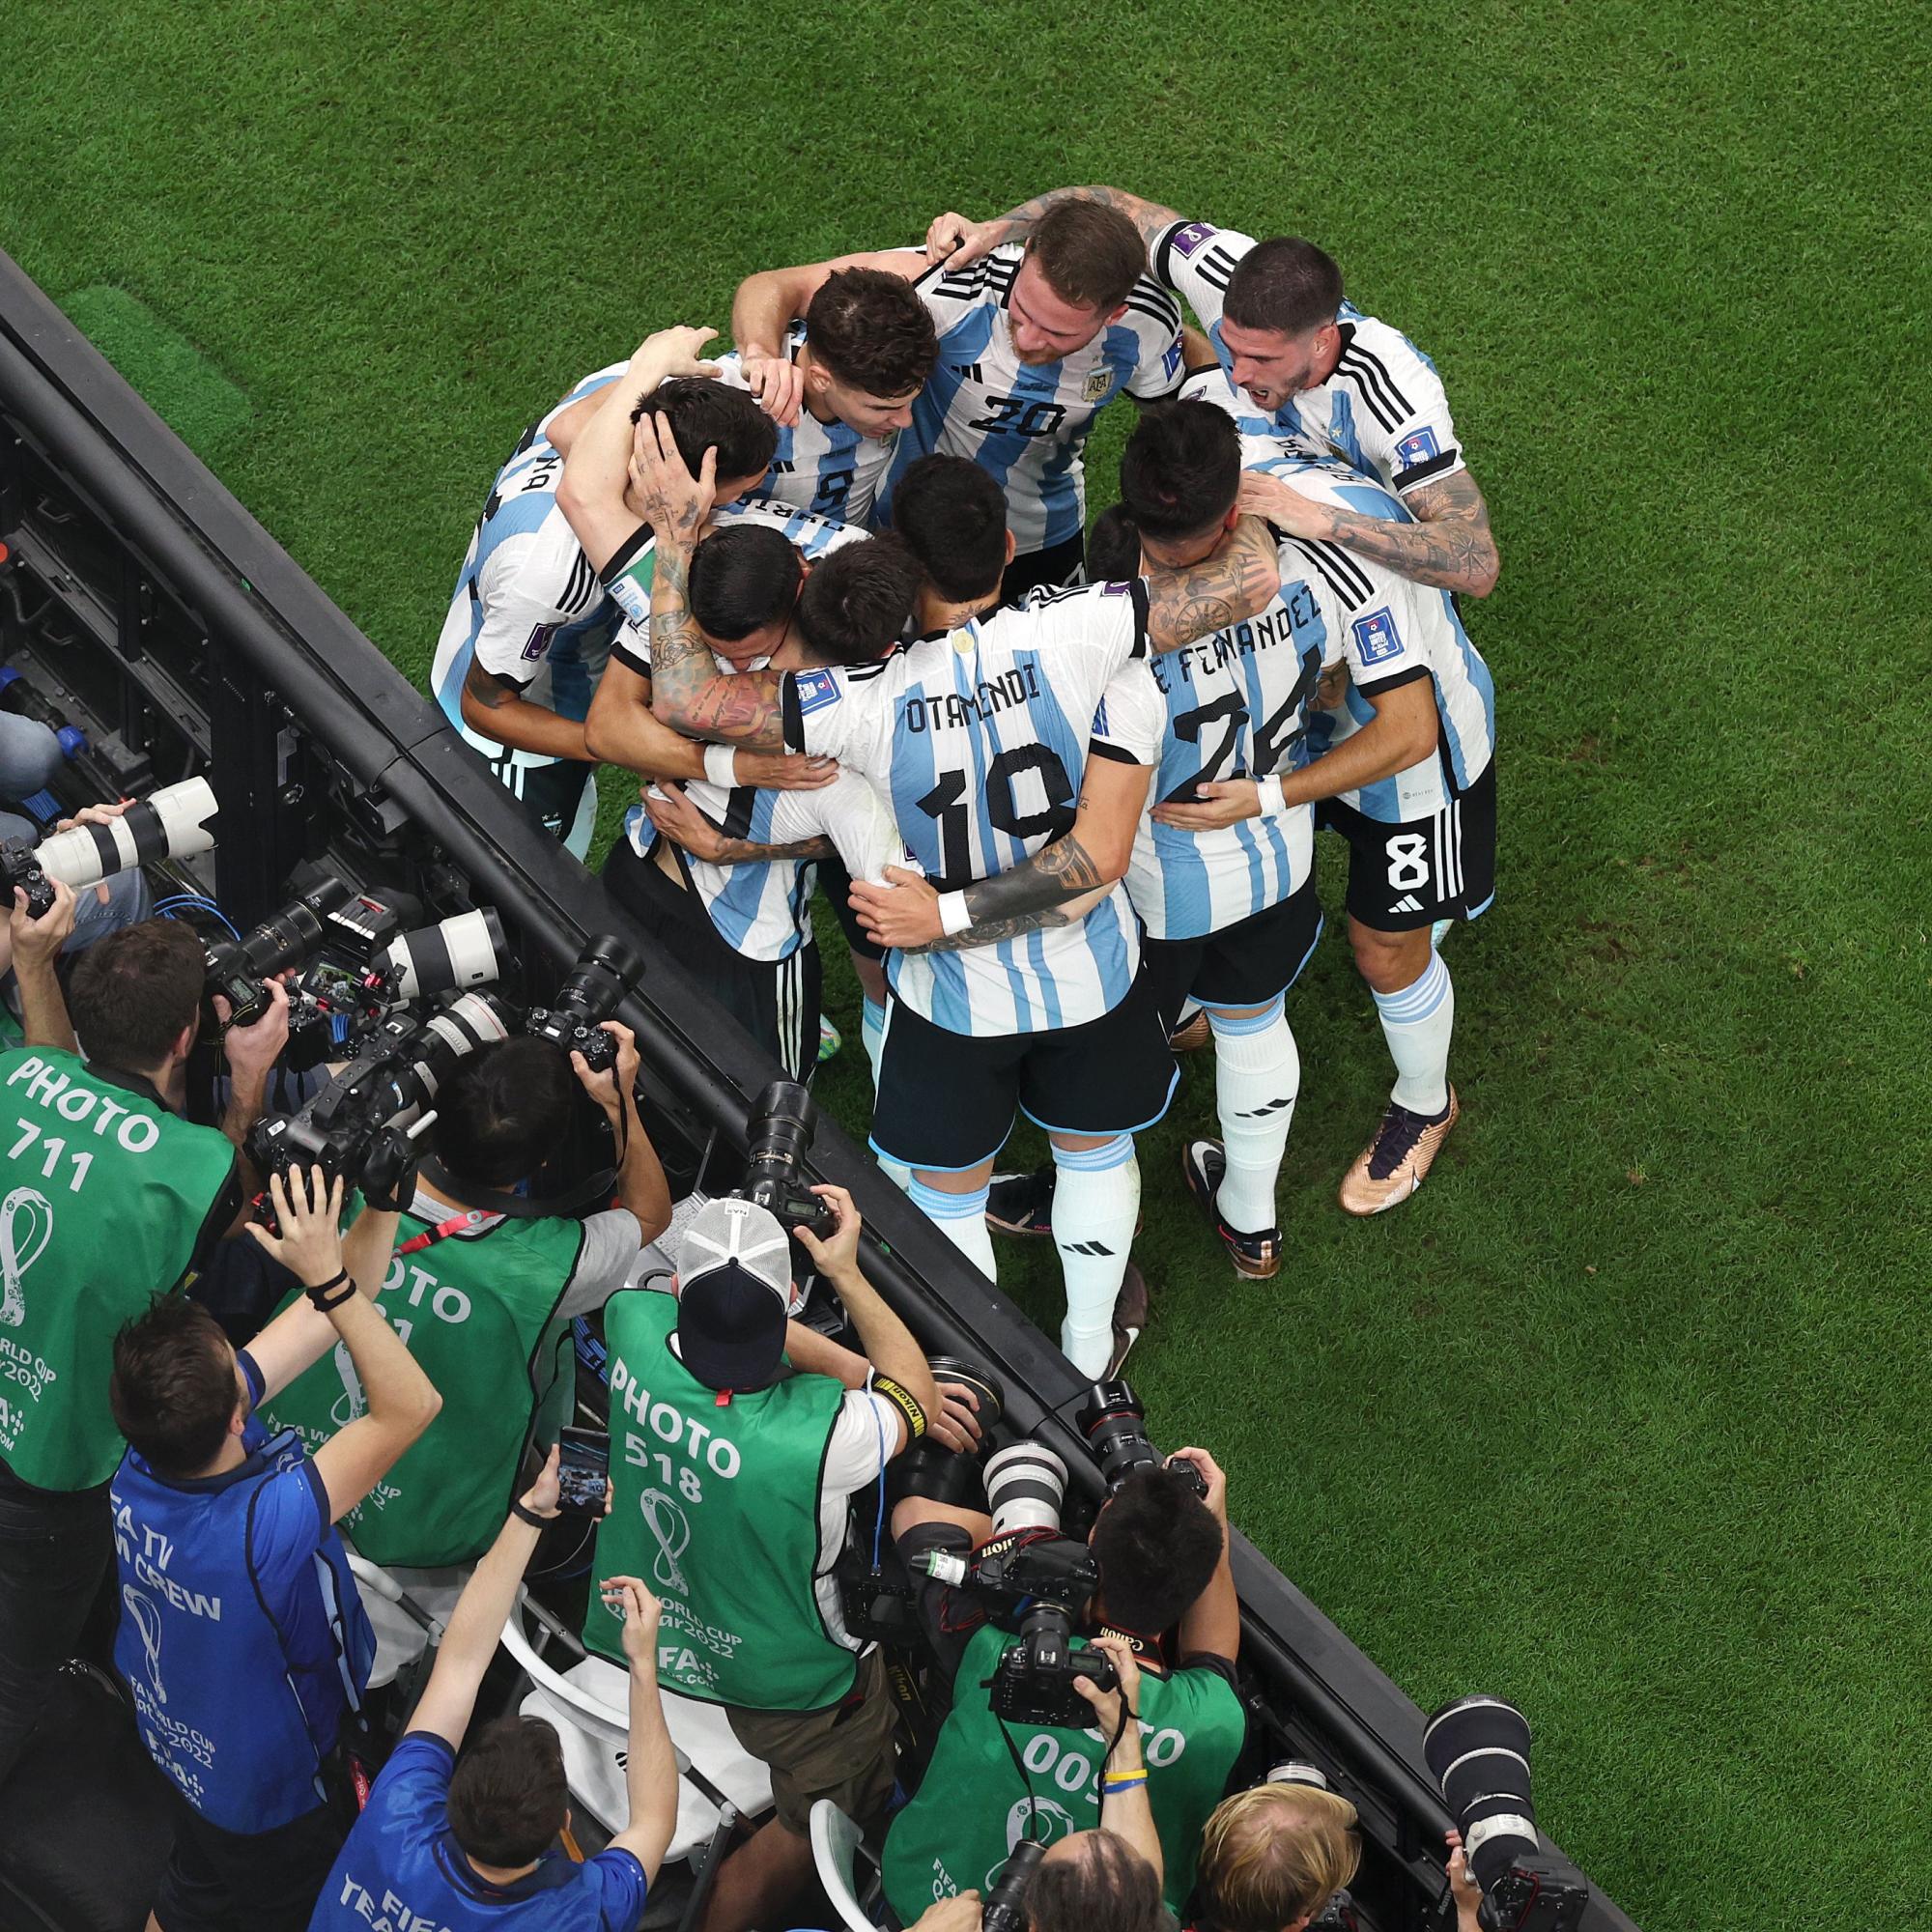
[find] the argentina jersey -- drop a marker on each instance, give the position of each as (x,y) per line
(1383,411)
(826,468)
(1025,424)
(762,908)
(1236,707)
(527,606)
(979,738)
(1391,630)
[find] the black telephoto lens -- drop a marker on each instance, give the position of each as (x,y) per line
(1478,1750)
(1004,1908)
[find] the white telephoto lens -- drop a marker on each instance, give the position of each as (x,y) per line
(465,951)
(1024,1488)
(170,824)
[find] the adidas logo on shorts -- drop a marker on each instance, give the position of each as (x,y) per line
(1409,902)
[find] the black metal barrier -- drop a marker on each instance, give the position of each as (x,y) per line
(154,609)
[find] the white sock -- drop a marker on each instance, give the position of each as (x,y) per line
(1097,1198)
(1417,1022)
(872,1033)
(1256,1076)
(962,1219)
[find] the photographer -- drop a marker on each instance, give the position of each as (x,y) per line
(242,1641)
(483,1289)
(732,1479)
(1272,1857)
(462,1840)
(1161,1552)
(109,1198)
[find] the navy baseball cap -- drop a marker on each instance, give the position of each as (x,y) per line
(733,1294)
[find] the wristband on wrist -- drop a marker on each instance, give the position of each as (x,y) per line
(720,764)
(332,1292)
(1268,790)
(1114,1783)
(954,915)
(529,1516)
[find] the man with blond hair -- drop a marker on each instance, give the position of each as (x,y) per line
(1272,1857)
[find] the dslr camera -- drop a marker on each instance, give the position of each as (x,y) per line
(1113,1421)
(173,823)
(1478,1749)
(365,1123)
(1036,1582)
(1003,1907)
(776,1138)
(592,990)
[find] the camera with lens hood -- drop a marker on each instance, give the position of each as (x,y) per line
(777,1137)
(1035,1581)
(592,992)
(1111,1420)
(365,1125)
(1478,1749)
(1003,1907)
(240,969)
(172,823)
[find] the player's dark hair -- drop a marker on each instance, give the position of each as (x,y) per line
(1113,547)
(508,1798)
(172,1391)
(953,515)
(872,333)
(1287,284)
(1181,470)
(854,604)
(504,1111)
(743,577)
(1107,1884)
(131,994)
(1091,254)
(705,415)
(1156,1544)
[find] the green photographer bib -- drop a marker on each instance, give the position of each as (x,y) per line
(972,1810)
(717,1510)
(479,1314)
(104,1195)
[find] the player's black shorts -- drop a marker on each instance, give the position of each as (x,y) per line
(836,883)
(1242,965)
(776,1002)
(562,797)
(1048,569)
(1443,866)
(946,1100)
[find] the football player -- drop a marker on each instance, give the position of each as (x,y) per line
(1303,362)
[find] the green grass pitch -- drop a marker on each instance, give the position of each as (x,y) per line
(1623,1418)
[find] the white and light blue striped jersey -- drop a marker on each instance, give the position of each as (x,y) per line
(527,605)
(1392,630)
(979,738)
(629,573)
(763,909)
(1025,424)
(1235,704)
(826,468)
(1384,411)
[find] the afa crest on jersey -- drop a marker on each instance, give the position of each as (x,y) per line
(1096,388)
(815,689)
(1377,638)
(1416,448)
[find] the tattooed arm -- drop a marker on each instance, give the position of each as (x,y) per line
(1448,547)
(953,239)
(1057,886)
(1236,583)
(689,693)
(673,812)
(496,707)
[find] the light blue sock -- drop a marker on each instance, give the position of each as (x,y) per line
(1096,1199)
(962,1219)
(1417,1021)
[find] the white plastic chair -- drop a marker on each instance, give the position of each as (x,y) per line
(589,1705)
(836,1842)
(409,1610)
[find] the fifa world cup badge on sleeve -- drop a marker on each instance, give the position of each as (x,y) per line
(1190,237)
(1377,636)
(1417,448)
(816,688)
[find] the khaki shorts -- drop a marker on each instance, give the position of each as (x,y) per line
(843,1752)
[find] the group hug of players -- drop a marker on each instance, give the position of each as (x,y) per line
(833,597)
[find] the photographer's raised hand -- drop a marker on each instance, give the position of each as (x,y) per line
(642,1187)
(36,944)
